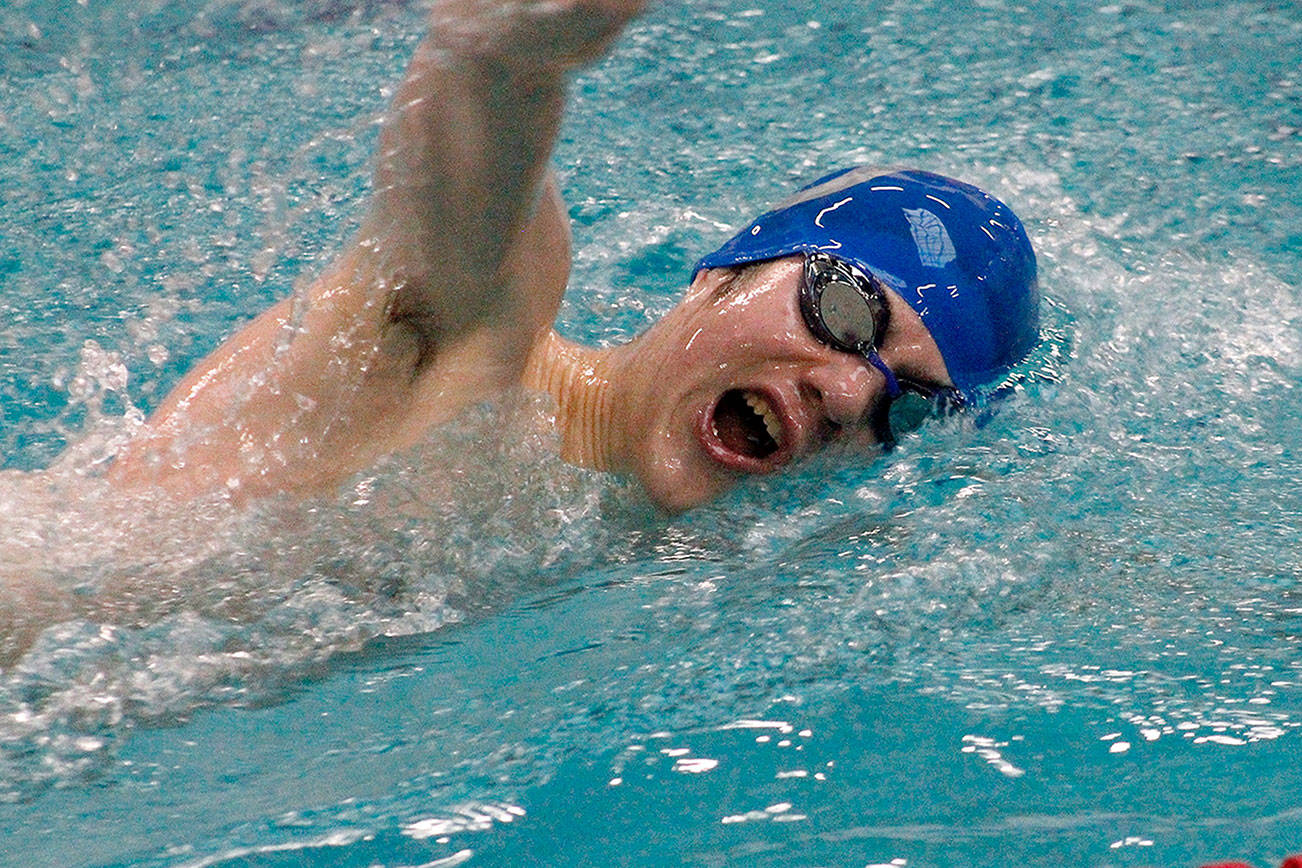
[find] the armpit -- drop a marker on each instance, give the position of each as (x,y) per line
(408,340)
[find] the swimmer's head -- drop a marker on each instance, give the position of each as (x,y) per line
(958,256)
(863,288)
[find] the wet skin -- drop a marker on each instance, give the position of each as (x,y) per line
(731,382)
(389,342)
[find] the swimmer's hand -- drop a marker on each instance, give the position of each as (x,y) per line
(531,35)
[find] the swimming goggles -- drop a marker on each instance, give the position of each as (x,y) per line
(846,309)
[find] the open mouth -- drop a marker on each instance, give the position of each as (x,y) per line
(746,425)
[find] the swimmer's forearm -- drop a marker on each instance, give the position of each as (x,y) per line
(460,159)
(464,151)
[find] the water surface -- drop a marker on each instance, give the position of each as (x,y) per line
(1067,631)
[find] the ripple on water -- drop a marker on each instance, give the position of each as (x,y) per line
(1117,538)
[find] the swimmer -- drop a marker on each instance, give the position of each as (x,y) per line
(802,329)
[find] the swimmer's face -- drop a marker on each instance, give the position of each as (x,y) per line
(732,382)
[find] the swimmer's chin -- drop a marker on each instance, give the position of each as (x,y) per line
(676,503)
(673,486)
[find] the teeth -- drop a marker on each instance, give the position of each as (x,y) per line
(765,412)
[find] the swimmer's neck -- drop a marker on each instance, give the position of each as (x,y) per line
(579,379)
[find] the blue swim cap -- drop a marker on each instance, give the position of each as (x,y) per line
(957,255)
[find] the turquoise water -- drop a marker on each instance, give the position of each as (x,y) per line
(1070,633)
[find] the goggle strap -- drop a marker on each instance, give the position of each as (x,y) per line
(892,385)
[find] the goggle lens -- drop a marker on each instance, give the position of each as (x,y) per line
(844,307)
(847,310)
(847,316)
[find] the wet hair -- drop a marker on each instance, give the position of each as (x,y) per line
(738,278)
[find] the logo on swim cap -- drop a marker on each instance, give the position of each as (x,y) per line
(935,248)
(957,255)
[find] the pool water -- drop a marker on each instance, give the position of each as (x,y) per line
(1066,632)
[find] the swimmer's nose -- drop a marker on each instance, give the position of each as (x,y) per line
(849,389)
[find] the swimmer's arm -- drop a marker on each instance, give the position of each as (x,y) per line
(458,269)
(462,160)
